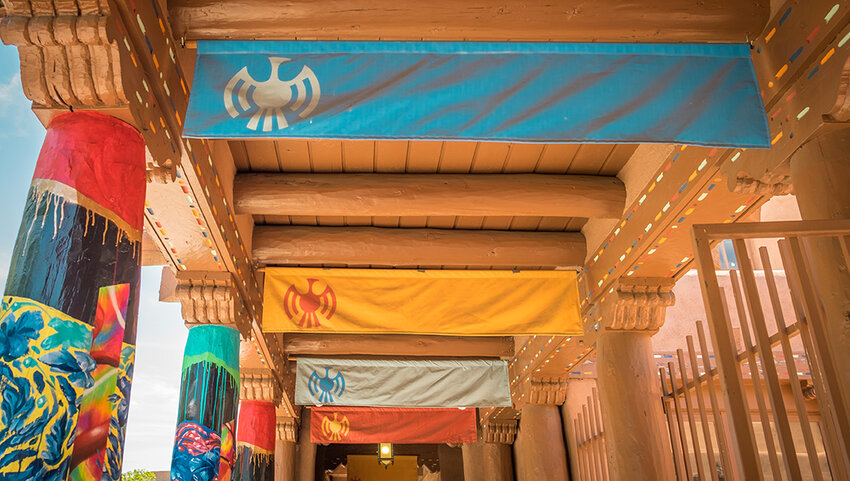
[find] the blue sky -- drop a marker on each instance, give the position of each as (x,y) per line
(161,337)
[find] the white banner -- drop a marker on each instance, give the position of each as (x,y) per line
(390,383)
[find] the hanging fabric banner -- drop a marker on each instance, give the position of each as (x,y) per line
(461,303)
(362,425)
(392,383)
(702,94)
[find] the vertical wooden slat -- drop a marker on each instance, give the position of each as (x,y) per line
(582,465)
(741,430)
(667,399)
(830,437)
(603,445)
(683,372)
(815,317)
(706,430)
(596,437)
(771,377)
(682,435)
(755,375)
(597,475)
(719,421)
(779,318)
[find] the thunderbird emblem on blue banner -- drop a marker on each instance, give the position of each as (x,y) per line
(701,94)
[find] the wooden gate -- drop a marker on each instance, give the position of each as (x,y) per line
(590,445)
(760,400)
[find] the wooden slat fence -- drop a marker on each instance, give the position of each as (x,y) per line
(590,441)
(760,400)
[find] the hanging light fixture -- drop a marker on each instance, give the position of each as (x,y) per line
(385,454)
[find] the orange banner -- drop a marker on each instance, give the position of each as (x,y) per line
(358,425)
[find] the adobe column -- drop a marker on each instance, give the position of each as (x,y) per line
(209,388)
(305,465)
(284,449)
(820,173)
(539,449)
(497,437)
(68,316)
(629,389)
(256,428)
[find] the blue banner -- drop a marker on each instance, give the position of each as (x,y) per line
(701,94)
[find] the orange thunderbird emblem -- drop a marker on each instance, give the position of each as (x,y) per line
(308,308)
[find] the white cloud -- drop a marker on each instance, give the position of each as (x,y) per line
(11,89)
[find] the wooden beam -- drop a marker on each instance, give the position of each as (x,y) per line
(397,345)
(484,20)
(430,194)
(298,245)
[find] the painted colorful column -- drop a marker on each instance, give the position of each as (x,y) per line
(209,397)
(68,315)
(255,441)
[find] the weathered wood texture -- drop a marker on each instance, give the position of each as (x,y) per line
(515,20)
(429,194)
(397,345)
(292,245)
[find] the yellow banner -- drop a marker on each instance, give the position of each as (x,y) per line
(462,303)
(366,468)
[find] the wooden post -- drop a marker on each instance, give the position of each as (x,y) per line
(820,173)
(71,302)
(451,463)
(255,441)
(305,464)
(629,392)
(539,447)
(498,462)
(284,450)
(473,462)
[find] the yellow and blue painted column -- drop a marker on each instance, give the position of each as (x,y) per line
(68,315)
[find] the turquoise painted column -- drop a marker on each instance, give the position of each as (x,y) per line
(209,398)
(68,315)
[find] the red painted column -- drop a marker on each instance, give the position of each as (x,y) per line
(255,441)
(68,315)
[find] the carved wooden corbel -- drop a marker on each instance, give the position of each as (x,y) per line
(499,432)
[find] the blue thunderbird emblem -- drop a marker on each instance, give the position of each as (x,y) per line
(326,386)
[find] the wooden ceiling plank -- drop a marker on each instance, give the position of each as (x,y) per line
(490,158)
(523,158)
(429,195)
(556,158)
(358,156)
(617,159)
(390,156)
(262,156)
(589,158)
(296,344)
(516,20)
(457,157)
(325,155)
(424,156)
(293,155)
(240,156)
(294,245)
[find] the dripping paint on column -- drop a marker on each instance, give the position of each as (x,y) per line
(209,394)
(255,442)
(74,272)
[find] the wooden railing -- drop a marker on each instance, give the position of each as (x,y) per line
(590,442)
(760,401)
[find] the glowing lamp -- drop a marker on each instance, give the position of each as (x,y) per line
(385,454)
